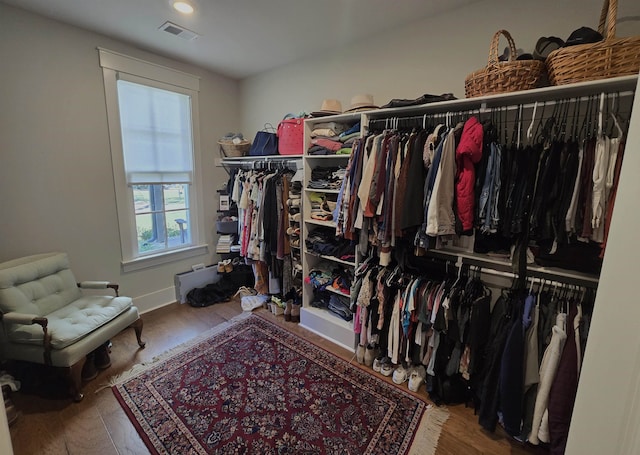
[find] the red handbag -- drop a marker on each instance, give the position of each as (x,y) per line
(291,136)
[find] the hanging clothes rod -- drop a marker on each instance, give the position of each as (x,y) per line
(293,164)
(565,278)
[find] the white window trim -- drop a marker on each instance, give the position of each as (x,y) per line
(135,70)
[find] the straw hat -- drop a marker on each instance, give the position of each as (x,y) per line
(362,103)
(329,107)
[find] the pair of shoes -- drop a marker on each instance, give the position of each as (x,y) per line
(370,354)
(400,375)
(417,376)
(386,367)
(360,350)
(295,217)
(225,266)
(293,230)
(101,357)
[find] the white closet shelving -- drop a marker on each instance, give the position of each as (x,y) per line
(339,331)
(319,320)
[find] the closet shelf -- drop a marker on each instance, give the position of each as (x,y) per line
(321,190)
(337,291)
(504,265)
(331,258)
(320,222)
(326,157)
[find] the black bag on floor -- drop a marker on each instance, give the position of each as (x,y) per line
(212,293)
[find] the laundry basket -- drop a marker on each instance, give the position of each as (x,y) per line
(611,57)
(503,77)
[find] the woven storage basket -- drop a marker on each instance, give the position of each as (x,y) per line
(229,149)
(611,57)
(502,77)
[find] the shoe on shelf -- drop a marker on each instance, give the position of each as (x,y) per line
(417,376)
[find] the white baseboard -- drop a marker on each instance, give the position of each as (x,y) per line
(155,300)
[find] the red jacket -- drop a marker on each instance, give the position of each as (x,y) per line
(468,153)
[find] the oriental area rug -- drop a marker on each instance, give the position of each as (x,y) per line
(252,387)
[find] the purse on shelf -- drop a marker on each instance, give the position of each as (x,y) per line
(291,135)
(265,142)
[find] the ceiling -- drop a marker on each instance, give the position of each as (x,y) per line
(240,38)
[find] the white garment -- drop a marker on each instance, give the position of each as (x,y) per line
(599,201)
(393,343)
(368,166)
(548,369)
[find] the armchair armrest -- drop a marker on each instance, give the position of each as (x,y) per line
(28,319)
(24,318)
(99,285)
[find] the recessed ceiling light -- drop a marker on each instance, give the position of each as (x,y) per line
(183,7)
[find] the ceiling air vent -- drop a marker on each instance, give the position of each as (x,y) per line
(178,31)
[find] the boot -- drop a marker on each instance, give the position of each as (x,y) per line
(89,370)
(101,357)
(295,313)
(287,310)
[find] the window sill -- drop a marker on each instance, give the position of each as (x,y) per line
(164,258)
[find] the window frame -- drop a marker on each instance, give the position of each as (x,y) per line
(119,66)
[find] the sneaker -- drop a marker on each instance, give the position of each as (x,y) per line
(295,218)
(386,367)
(377,363)
(416,378)
(400,375)
(360,354)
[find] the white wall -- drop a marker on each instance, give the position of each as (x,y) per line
(429,56)
(56,179)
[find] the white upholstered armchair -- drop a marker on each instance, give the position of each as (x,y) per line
(46,319)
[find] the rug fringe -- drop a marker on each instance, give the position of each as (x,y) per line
(428,432)
(143,366)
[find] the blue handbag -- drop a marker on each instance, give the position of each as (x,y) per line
(265,142)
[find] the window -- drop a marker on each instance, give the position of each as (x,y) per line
(152,113)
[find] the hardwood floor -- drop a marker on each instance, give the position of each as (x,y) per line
(98,425)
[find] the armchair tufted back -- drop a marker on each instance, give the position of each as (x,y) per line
(37,284)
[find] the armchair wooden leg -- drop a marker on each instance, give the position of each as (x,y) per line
(75,380)
(137,326)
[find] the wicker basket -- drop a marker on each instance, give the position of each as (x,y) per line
(608,58)
(503,77)
(229,149)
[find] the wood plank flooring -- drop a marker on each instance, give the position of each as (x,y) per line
(98,425)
